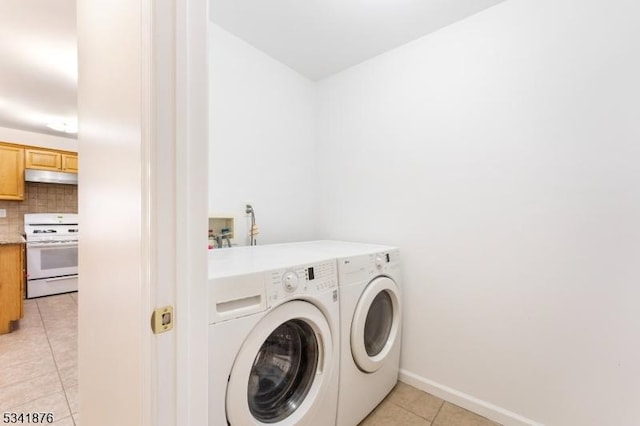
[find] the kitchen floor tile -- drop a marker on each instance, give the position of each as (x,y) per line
(18,354)
(39,361)
(59,306)
(67,421)
(54,403)
(23,336)
(27,370)
(29,390)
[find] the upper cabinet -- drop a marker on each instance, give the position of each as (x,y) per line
(11,172)
(70,163)
(51,160)
(42,160)
(15,158)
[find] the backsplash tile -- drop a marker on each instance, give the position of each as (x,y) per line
(38,198)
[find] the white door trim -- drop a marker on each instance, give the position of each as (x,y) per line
(179,208)
(192,201)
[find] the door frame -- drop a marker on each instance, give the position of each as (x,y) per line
(192,211)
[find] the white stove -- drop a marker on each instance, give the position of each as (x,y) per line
(52,253)
(51,228)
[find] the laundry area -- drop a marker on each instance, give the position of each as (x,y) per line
(495,154)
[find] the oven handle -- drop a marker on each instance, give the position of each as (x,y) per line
(51,245)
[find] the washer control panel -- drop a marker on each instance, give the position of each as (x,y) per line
(301,279)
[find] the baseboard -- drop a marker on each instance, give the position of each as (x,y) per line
(488,410)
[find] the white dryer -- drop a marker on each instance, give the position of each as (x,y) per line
(370,324)
(273,337)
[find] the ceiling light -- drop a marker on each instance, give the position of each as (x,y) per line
(63,126)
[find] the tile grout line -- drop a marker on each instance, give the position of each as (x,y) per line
(438,413)
(64,391)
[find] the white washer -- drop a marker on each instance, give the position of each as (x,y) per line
(273,337)
(370,324)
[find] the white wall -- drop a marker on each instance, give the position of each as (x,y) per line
(501,155)
(262,142)
(24,137)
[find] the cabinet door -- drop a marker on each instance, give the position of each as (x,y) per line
(70,163)
(11,173)
(43,160)
(11,277)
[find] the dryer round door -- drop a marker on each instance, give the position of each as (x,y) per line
(376,324)
(280,369)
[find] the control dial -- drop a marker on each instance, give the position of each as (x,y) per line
(290,280)
(379,260)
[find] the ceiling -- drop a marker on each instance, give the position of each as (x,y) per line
(38,69)
(38,43)
(320,37)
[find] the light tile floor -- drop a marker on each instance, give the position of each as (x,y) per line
(408,406)
(39,373)
(39,362)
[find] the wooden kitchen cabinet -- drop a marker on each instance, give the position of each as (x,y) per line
(58,161)
(12,282)
(11,172)
(42,160)
(70,163)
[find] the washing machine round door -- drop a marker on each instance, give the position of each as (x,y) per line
(376,324)
(280,369)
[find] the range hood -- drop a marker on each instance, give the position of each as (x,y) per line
(47,176)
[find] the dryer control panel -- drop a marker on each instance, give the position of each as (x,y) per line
(365,267)
(301,279)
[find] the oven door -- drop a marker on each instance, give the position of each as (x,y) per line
(46,260)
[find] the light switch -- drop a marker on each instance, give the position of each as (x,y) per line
(3,212)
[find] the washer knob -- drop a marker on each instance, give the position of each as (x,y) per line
(379,261)
(290,281)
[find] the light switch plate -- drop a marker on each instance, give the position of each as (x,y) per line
(3,212)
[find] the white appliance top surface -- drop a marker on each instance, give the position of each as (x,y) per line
(251,259)
(51,219)
(338,249)
(226,262)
